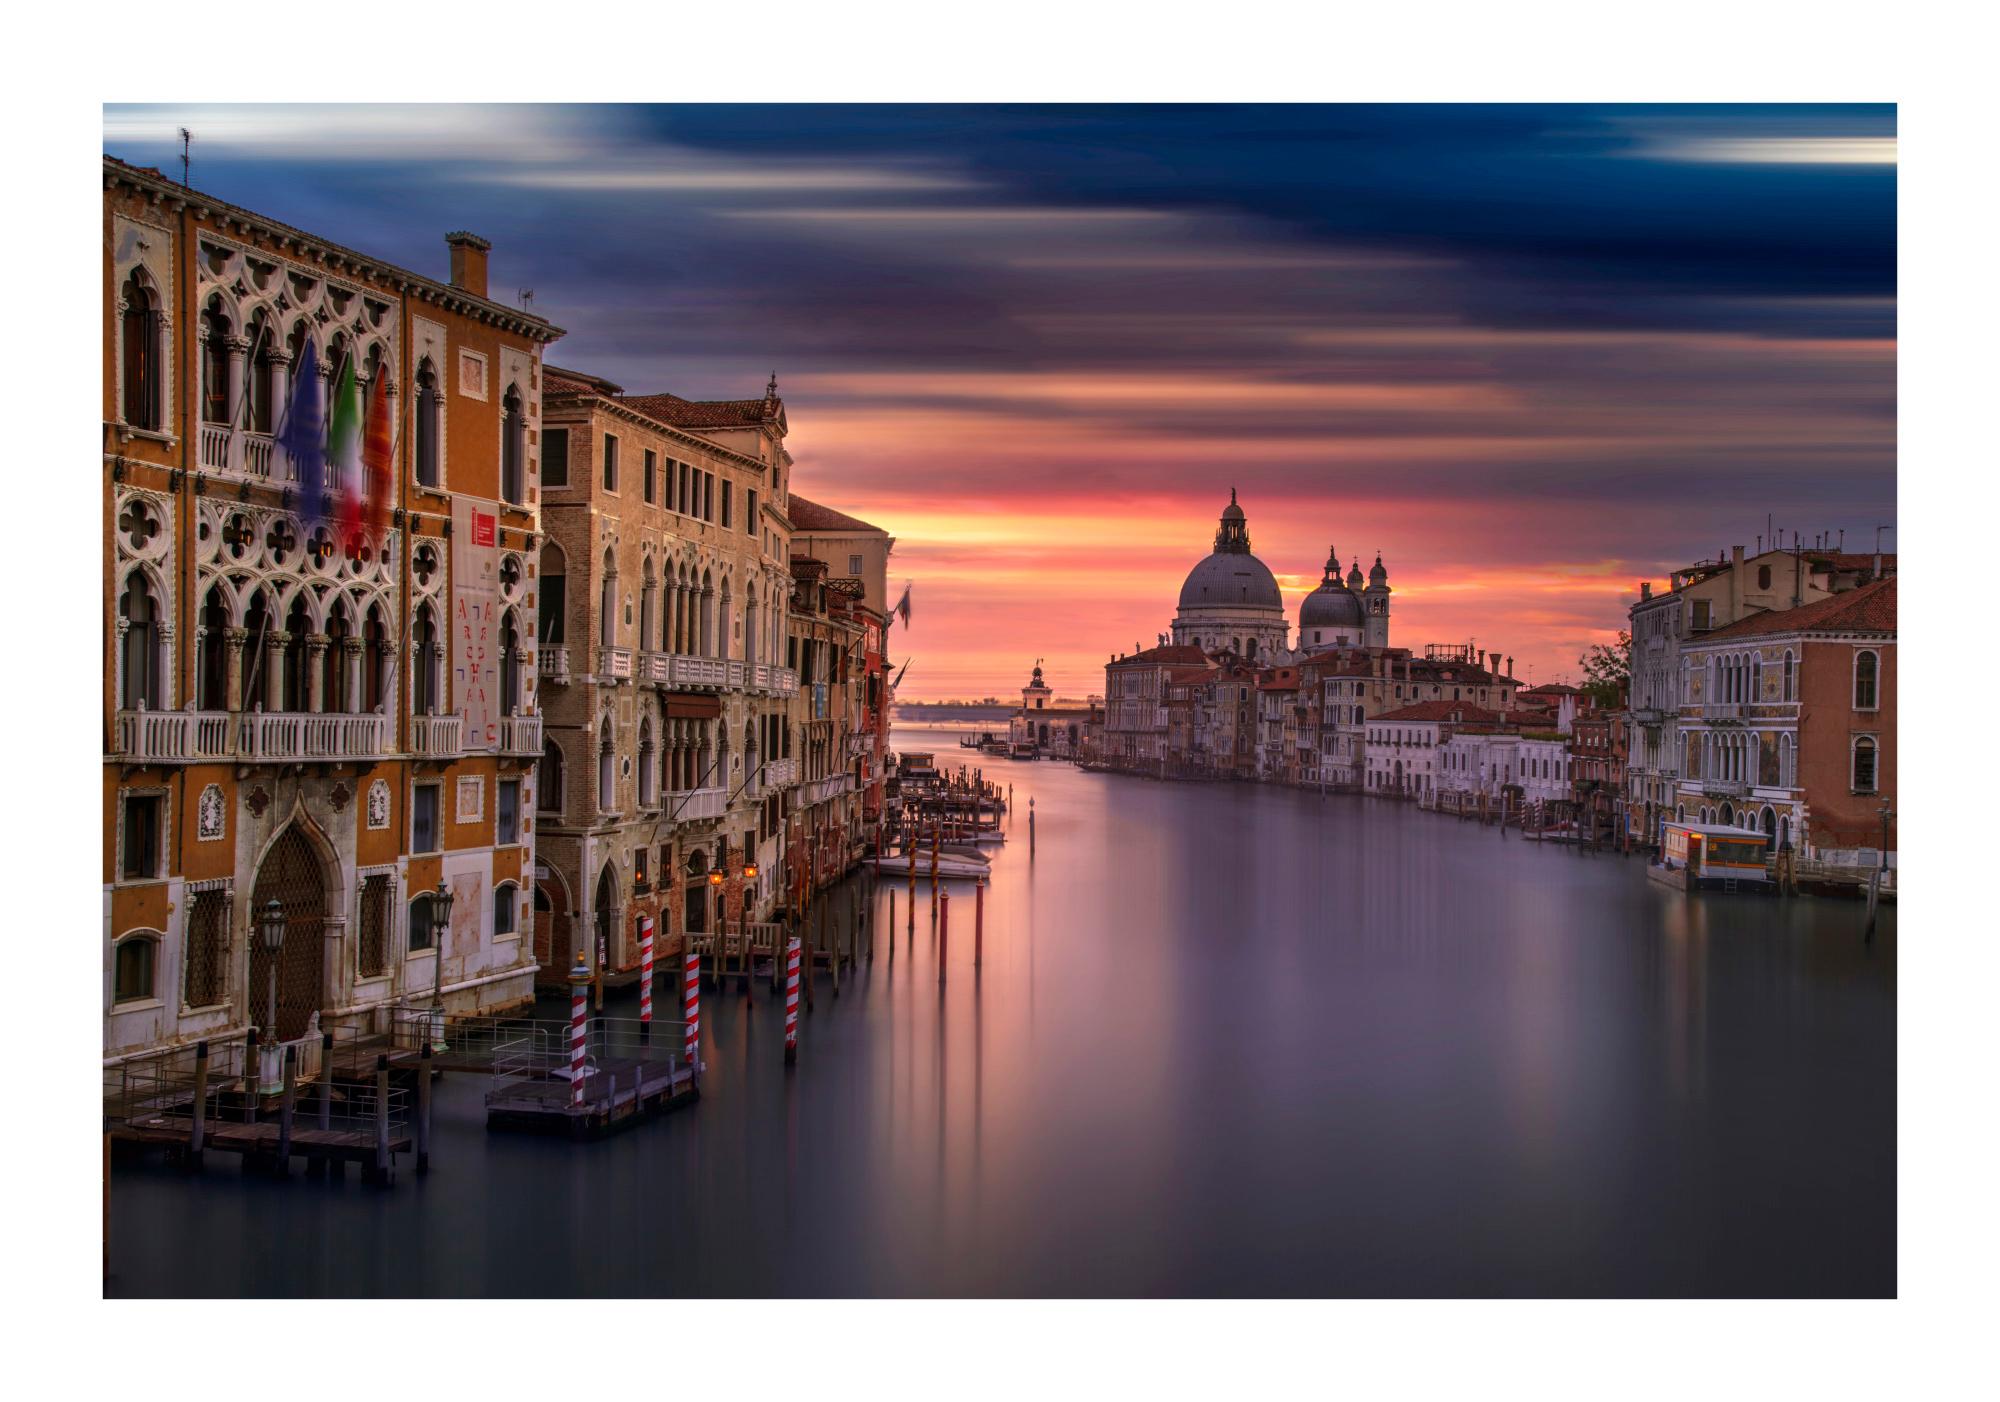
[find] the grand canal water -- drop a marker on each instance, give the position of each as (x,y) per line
(1225,1040)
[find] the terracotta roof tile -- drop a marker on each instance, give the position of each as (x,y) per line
(1869,609)
(1463,711)
(676,412)
(811,516)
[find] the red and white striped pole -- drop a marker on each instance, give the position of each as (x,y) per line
(791,1001)
(579,1011)
(645,978)
(691,1008)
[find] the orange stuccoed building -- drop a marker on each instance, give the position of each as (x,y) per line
(310,730)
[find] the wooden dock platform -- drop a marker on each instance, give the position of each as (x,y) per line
(618,1092)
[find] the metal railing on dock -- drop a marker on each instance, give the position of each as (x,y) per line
(630,1069)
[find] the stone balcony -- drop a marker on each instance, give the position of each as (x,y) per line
(298,735)
(655,667)
(820,790)
(520,735)
(555,663)
(694,805)
(781,773)
(240,453)
(174,737)
(437,737)
(614,664)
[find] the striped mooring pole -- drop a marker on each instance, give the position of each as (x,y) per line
(791,1000)
(645,978)
(691,1008)
(579,1011)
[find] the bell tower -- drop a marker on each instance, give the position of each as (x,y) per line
(1375,604)
(1035,695)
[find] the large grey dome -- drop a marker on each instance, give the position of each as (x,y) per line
(1330,606)
(1230,579)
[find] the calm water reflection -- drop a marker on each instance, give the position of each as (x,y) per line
(1225,1041)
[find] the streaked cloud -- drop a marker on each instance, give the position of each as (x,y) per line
(1531,354)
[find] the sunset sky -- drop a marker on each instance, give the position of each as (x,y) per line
(1530,354)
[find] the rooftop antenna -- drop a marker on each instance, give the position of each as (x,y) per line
(527,297)
(187,139)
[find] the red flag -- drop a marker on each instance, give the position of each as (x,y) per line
(376,450)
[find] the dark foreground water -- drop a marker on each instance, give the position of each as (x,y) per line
(1226,1040)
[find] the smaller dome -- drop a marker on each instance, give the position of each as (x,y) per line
(1378,575)
(1232,512)
(1354,575)
(1332,605)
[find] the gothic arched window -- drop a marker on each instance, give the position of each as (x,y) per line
(1867,664)
(139,662)
(549,778)
(139,330)
(424,697)
(552,596)
(429,425)
(215,404)
(513,446)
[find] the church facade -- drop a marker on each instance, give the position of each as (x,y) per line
(1230,602)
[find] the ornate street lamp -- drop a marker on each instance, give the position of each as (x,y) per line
(1887,813)
(271,934)
(441,902)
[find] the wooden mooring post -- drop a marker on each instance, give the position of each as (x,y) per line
(381,1173)
(252,1076)
(424,1108)
(199,1133)
(979,923)
(326,1081)
(944,933)
(285,1106)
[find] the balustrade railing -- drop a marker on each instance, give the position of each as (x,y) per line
(657,667)
(614,662)
(781,773)
(692,805)
(554,663)
(215,446)
(520,735)
(288,735)
(174,737)
(437,737)
(699,671)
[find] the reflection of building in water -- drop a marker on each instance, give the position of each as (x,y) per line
(1059,727)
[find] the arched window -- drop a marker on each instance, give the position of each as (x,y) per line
(424,689)
(133,959)
(212,648)
(607,603)
(553,596)
(513,446)
(430,425)
(263,388)
(646,770)
(215,363)
(607,772)
(333,663)
(1864,764)
(298,624)
(139,331)
(139,658)
(374,647)
(506,909)
(648,608)
(549,778)
(1867,663)
(1791,677)
(1786,761)
(510,663)
(1763,576)
(423,924)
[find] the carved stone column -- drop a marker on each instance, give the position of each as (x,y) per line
(232,685)
(350,664)
(274,670)
(316,644)
(239,348)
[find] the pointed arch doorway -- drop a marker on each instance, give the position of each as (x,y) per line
(292,875)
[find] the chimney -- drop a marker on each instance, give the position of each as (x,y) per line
(468,262)
(1645,590)
(1510,668)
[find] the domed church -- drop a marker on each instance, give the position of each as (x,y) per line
(1231,602)
(1343,613)
(1230,599)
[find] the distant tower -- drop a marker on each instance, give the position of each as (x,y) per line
(1035,695)
(1375,601)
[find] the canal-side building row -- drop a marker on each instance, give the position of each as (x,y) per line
(666,581)
(319,686)
(460,664)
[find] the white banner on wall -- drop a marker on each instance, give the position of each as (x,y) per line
(475,619)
